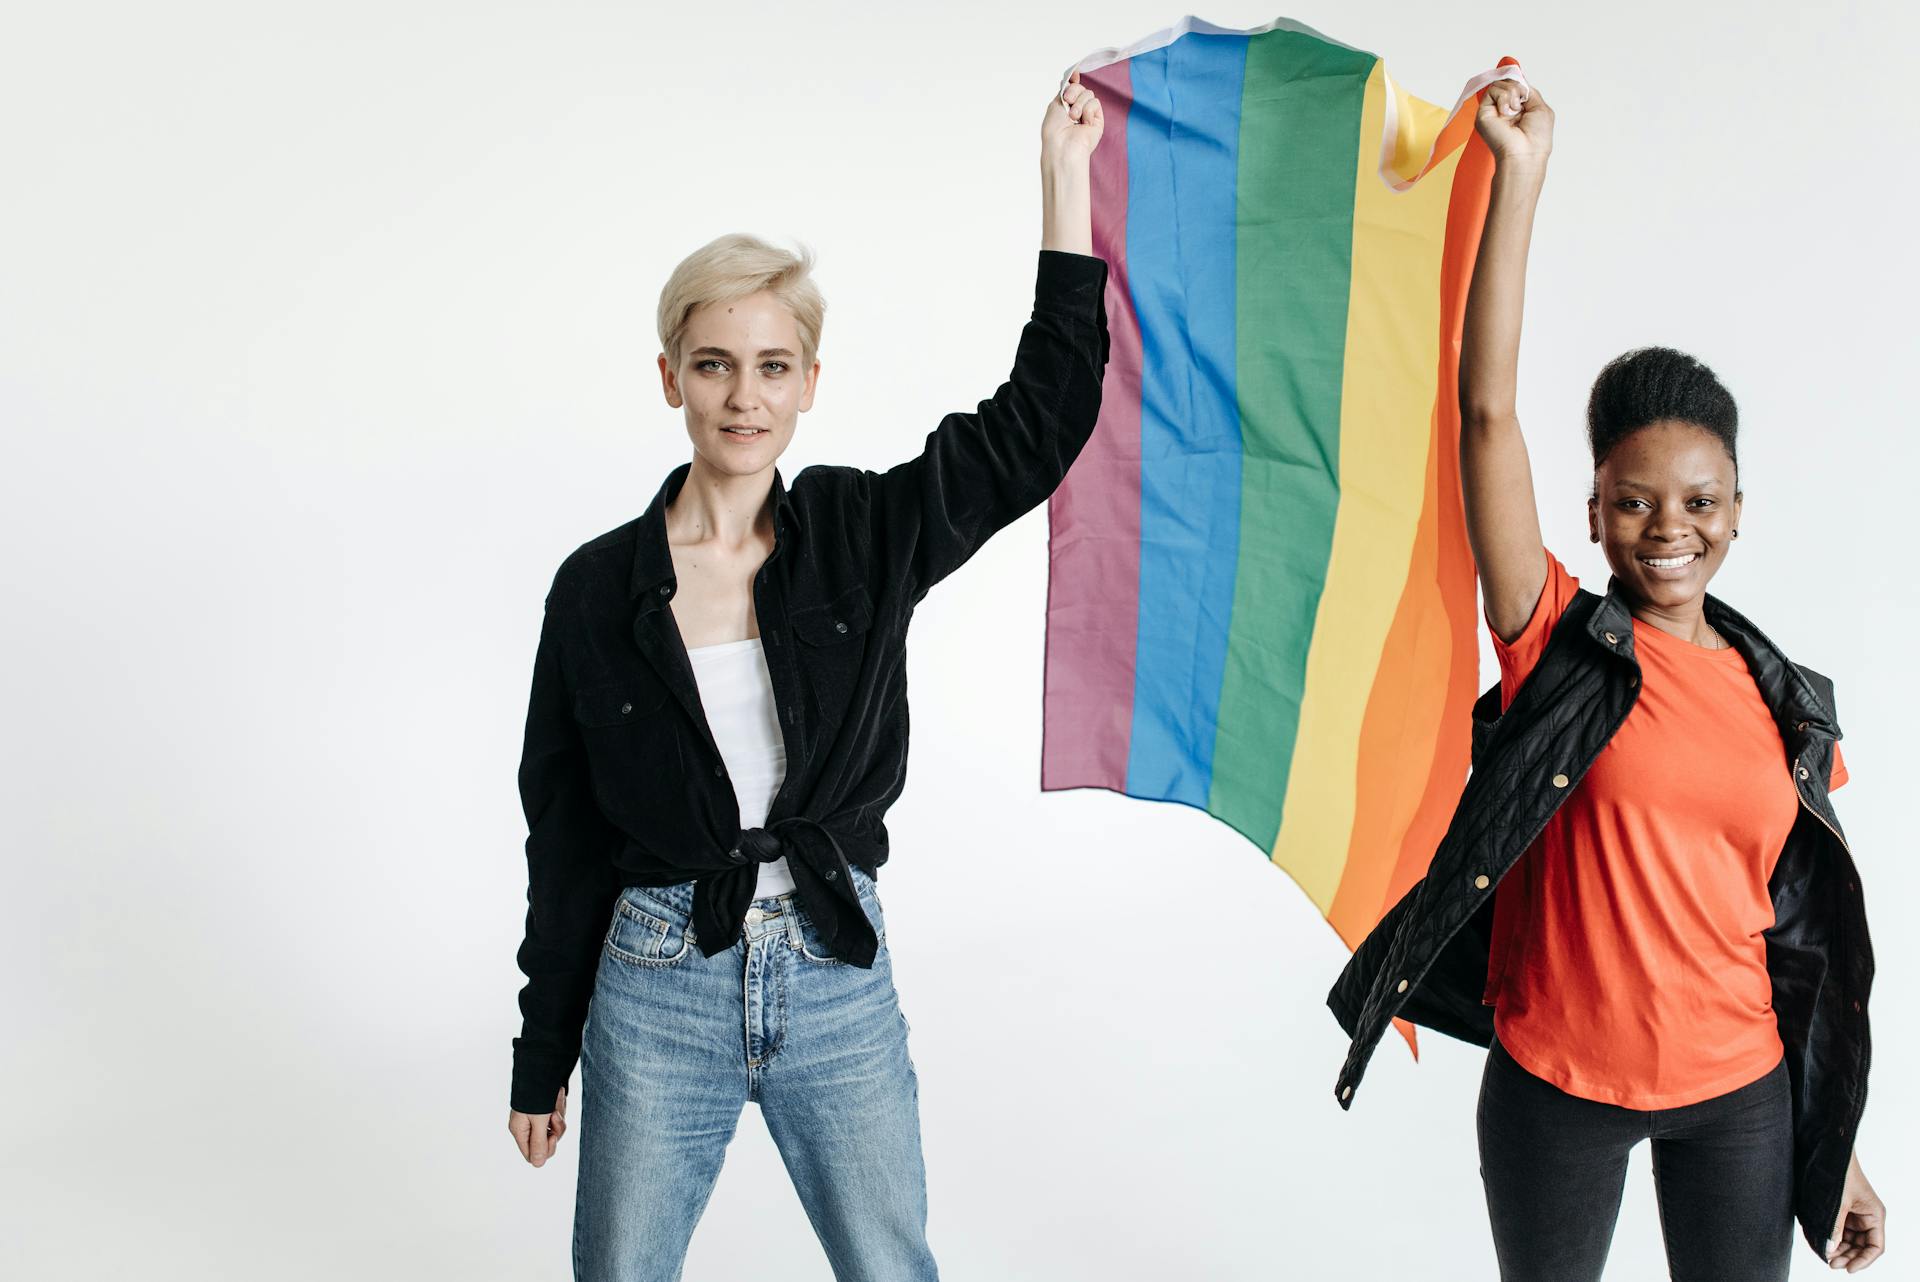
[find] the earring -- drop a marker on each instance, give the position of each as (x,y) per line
(1736,534)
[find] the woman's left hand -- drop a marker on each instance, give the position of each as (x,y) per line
(1071,128)
(1860,1234)
(1068,134)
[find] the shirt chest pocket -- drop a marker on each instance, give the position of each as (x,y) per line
(631,733)
(617,703)
(832,647)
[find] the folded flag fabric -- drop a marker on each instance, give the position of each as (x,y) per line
(1261,600)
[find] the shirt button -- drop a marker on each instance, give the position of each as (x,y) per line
(735,855)
(666,589)
(1400,987)
(1481,882)
(839,625)
(625,708)
(1560,781)
(719,772)
(831,874)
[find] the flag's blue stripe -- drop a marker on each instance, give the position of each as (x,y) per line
(1183,138)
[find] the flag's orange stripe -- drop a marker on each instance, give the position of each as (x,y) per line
(1430,665)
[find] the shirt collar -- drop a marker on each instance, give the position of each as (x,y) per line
(1785,690)
(653,559)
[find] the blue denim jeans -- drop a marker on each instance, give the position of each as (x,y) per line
(677,1043)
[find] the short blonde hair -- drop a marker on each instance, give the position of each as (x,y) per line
(735,266)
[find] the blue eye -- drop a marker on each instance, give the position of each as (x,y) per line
(709,365)
(776,367)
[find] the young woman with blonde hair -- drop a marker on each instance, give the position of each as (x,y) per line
(717,727)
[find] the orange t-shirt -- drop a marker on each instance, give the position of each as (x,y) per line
(1628,963)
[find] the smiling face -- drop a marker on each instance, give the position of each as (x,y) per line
(1666,502)
(741,382)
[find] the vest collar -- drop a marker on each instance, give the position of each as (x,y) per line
(1793,699)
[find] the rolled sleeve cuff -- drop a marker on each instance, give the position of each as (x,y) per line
(1070,285)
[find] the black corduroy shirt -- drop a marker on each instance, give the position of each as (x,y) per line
(620,777)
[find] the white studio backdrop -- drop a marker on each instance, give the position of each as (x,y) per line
(326,332)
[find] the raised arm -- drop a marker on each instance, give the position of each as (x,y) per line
(1503,523)
(980,471)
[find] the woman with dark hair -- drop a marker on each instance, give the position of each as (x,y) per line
(1644,903)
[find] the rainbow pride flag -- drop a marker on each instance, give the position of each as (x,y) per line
(1261,600)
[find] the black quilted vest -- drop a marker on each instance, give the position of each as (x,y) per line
(1427,959)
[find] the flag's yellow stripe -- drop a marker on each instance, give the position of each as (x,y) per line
(1386,417)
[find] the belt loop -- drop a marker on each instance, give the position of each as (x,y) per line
(793,921)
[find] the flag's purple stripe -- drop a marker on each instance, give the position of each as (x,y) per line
(1093,587)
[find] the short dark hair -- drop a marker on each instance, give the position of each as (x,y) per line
(1651,384)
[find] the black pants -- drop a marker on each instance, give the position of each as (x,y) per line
(1554,1166)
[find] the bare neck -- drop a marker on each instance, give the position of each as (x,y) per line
(1688,621)
(713,507)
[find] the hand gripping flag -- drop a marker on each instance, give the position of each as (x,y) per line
(1261,600)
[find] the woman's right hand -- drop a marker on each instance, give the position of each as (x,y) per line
(538,1134)
(1516,123)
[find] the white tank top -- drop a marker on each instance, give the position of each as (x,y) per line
(736,692)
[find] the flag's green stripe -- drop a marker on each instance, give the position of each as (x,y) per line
(1299,130)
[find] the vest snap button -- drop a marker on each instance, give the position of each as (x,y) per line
(1612,639)
(1481,882)
(1560,781)
(1803,772)
(1401,987)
